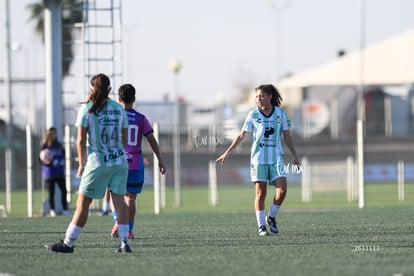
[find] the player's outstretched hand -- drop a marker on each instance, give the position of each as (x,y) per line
(297,164)
(162,167)
(80,171)
(222,158)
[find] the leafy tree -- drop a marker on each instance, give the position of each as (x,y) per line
(71,13)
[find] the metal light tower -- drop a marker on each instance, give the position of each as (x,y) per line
(175,67)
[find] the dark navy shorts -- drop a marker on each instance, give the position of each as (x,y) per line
(135,181)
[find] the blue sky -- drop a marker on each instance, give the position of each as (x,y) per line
(221,42)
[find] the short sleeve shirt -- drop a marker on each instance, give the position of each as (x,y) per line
(139,126)
(104,133)
(267,134)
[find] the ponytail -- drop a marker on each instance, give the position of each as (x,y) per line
(100,86)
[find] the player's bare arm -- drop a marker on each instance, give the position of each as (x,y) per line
(124,136)
(236,141)
(289,142)
(155,148)
(81,148)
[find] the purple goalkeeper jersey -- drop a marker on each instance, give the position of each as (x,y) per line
(138,126)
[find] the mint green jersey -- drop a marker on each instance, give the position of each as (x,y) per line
(104,133)
(267,135)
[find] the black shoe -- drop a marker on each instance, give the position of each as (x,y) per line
(272,225)
(124,248)
(61,247)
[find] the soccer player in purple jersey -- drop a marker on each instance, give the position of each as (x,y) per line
(139,126)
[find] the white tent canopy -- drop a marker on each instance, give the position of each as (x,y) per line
(389,62)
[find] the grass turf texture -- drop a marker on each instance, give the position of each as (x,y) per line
(373,241)
(236,197)
(318,238)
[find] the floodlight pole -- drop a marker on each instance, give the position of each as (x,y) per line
(175,67)
(53,64)
(9,155)
(279,10)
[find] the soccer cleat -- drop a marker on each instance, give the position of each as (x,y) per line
(263,231)
(114,232)
(124,248)
(104,213)
(272,225)
(61,247)
(131,236)
(66,213)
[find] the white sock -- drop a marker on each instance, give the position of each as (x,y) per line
(123,230)
(105,206)
(115,216)
(274,210)
(72,233)
(260,216)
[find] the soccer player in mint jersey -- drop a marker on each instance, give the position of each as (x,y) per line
(102,122)
(269,124)
(139,126)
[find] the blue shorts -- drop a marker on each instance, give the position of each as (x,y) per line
(267,173)
(94,181)
(135,181)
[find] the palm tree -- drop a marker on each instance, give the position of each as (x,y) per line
(72,14)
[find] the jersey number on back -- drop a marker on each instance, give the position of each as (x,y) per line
(133,135)
(106,137)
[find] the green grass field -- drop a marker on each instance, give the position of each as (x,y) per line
(328,236)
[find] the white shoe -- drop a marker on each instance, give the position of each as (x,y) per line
(66,213)
(52,213)
(263,231)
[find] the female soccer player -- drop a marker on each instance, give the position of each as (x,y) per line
(139,126)
(269,123)
(103,122)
